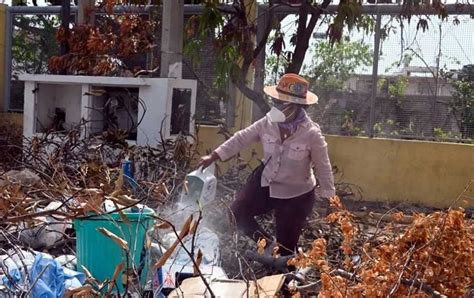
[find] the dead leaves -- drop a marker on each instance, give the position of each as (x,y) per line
(434,251)
(122,243)
(94,50)
(316,257)
(115,276)
(398,216)
(198,263)
(345,220)
(83,292)
(335,202)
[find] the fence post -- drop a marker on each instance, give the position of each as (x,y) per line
(3,49)
(375,69)
(65,23)
(7,55)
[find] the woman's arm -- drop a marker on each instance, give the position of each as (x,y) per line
(320,159)
(235,144)
(240,140)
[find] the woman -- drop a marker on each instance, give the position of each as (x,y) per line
(292,143)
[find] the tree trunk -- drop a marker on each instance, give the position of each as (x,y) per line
(257,97)
(304,33)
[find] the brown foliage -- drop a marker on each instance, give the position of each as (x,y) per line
(433,255)
(97,50)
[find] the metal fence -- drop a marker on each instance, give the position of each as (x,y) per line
(417,84)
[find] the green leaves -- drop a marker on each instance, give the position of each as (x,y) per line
(463,101)
(225,65)
(335,63)
(211,19)
(192,50)
(348,13)
(34,42)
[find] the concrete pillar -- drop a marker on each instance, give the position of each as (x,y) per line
(3,36)
(171,65)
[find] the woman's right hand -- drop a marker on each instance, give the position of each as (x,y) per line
(207,160)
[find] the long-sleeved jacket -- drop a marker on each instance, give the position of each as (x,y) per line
(288,171)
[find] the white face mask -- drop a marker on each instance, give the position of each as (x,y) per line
(275,115)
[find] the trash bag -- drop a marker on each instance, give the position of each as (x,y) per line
(24,177)
(46,277)
(46,234)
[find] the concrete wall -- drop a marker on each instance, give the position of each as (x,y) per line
(428,173)
(3,10)
(11,118)
(209,137)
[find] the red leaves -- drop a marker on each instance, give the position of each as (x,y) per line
(109,6)
(278,44)
(96,50)
(99,43)
(62,34)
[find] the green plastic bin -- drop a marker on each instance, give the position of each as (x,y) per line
(101,255)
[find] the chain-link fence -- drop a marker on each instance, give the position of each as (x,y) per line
(423,87)
(33,42)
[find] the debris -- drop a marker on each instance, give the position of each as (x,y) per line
(47,230)
(206,242)
(25,178)
(268,286)
(67,261)
(66,179)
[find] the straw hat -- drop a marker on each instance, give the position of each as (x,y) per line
(292,88)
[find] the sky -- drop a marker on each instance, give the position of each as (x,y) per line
(457,43)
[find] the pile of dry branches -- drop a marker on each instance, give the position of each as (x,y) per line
(430,257)
(61,177)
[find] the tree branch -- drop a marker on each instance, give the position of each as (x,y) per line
(268,29)
(304,34)
(238,77)
(256,97)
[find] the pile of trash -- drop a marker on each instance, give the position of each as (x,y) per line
(83,216)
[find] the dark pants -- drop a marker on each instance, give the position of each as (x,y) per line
(290,214)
